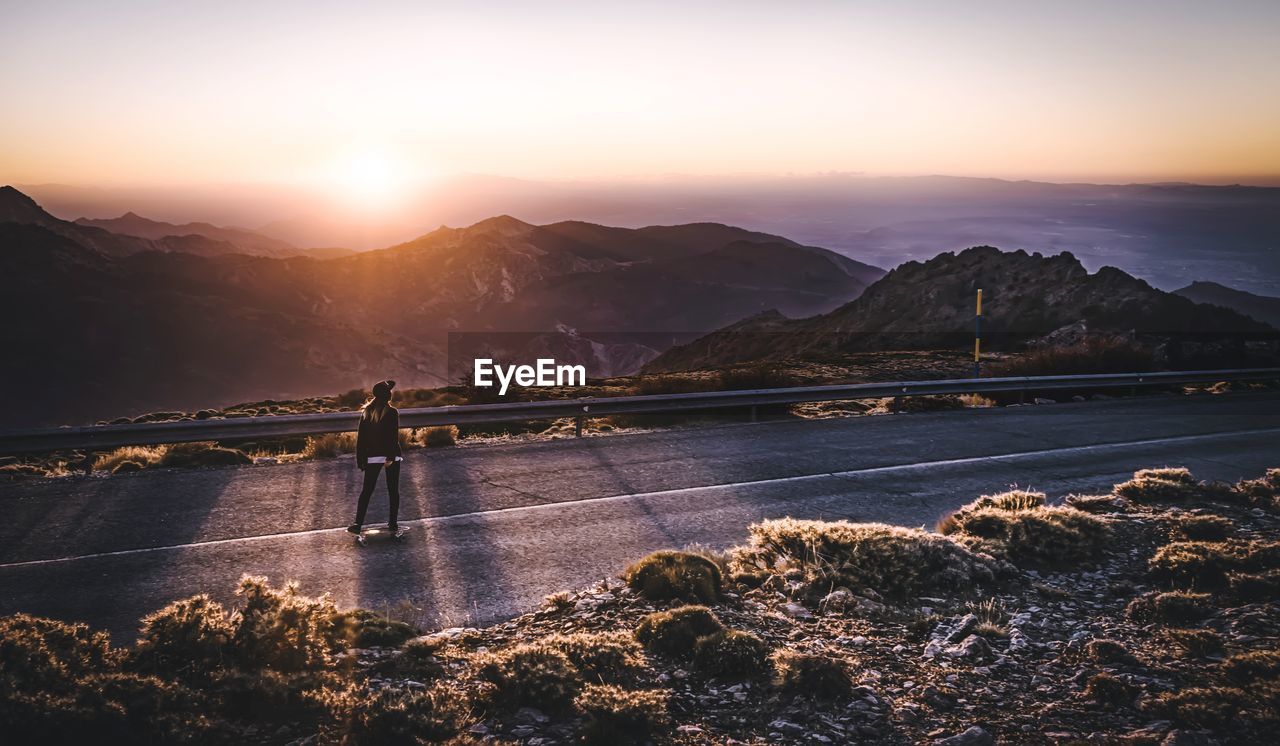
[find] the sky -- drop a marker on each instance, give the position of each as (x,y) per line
(366,98)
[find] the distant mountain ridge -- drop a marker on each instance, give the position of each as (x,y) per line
(1261,307)
(181,329)
(925,305)
(242,241)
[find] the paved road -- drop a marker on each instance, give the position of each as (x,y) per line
(496,528)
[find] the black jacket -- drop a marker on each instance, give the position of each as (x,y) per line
(378,437)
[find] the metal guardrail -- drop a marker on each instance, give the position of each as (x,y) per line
(98,437)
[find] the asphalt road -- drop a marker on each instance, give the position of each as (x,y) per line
(494,529)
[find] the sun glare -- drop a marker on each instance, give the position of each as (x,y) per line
(371,179)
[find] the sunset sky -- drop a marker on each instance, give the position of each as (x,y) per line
(371,96)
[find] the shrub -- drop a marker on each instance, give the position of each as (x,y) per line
(1108,651)
(674,632)
(1204,527)
(531,675)
(816,676)
(1109,691)
(1197,643)
(439,437)
(1253,666)
(141,456)
(732,654)
(283,629)
(392,717)
(669,575)
(1254,587)
(891,560)
(1207,565)
(1200,707)
(612,657)
(266,695)
(188,636)
(1168,484)
(329,445)
(44,654)
(1094,503)
(202,454)
(1025,532)
(976,401)
(419,659)
(1175,607)
(361,628)
(618,716)
(1263,492)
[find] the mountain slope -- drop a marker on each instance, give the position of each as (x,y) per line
(1261,307)
(931,305)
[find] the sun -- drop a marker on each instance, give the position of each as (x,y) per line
(370,178)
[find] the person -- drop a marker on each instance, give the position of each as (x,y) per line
(378,446)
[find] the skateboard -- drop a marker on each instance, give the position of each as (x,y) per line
(377,533)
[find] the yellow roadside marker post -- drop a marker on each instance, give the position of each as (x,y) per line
(977,338)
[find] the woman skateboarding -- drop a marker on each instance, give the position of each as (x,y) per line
(378,446)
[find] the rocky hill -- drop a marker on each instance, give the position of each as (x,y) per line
(930,305)
(1261,307)
(164,328)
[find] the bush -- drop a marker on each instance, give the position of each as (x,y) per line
(1095,504)
(1263,492)
(1254,587)
(664,576)
(732,654)
(329,445)
(1197,643)
(1204,527)
(202,454)
(283,629)
(1092,355)
(1108,651)
(676,631)
(439,437)
(1200,707)
(1175,607)
(1256,665)
(612,657)
(618,716)
(1017,526)
(44,654)
(1208,565)
(892,561)
(1168,484)
(390,717)
(186,637)
(816,676)
(361,628)
(531,675)
(266,695)
(1109,691)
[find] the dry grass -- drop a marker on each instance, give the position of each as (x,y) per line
(732,654)
(977,401)
(1094,355)
(809,675)
(1210,565)
(1171,608)
(144,456)
(890,560)
(1019,527)
(667,575)
(329,445)
(620,716)
(676,632)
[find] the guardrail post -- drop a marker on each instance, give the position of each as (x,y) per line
(753,414)
(577,426)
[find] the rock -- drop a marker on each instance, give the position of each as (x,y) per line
(1189,738)
(1043,400)
(973,648)
(796,611)
(960,629)
(530,715)
(479,729)
(837,600)
(688,729)
(974,736)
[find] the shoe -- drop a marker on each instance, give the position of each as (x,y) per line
(354,529)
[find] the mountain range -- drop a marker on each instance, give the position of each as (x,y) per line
(100,324)
(1261,307)
(931,305)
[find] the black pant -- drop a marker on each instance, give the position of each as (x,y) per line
(393,490)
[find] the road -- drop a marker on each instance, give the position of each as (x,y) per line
(497,528)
